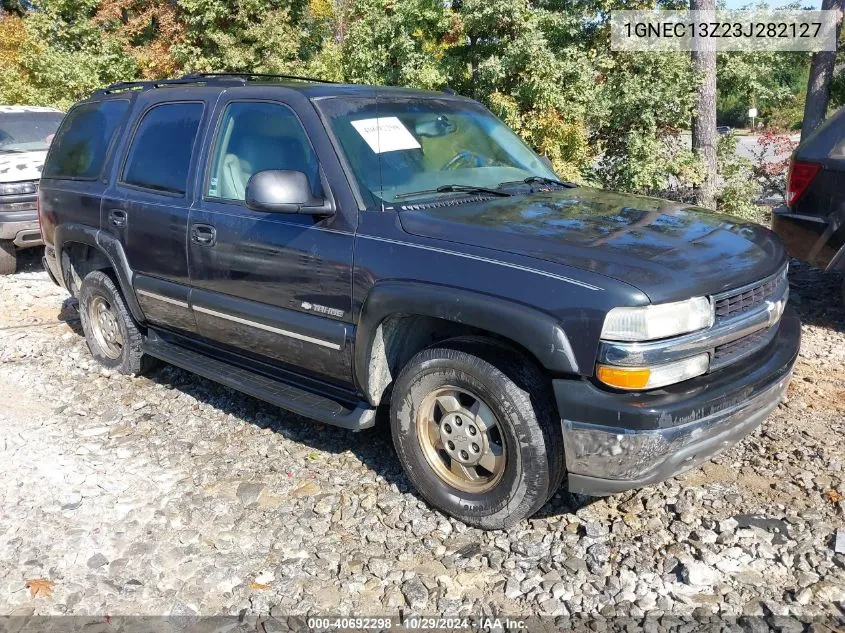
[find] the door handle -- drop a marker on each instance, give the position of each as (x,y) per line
(203,234)
(117,217)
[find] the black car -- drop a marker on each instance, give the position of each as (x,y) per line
(335,248)
(812,222)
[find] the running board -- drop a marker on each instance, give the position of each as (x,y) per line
(280,394)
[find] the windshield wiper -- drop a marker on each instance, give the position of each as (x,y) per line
(541,180)
(455,188)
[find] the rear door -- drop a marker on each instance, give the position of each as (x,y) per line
(147,207)
(272,285)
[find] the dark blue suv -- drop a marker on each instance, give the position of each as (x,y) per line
(333,249)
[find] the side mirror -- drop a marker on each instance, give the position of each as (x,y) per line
(283,191)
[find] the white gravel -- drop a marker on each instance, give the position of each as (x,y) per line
(169,494)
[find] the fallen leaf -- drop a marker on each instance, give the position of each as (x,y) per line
(833,496)
(40,587)
(258,585)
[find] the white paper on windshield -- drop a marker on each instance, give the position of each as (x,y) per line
(385,134)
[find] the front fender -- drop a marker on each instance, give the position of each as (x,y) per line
(536,331)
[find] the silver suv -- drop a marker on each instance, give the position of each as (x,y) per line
(25,135)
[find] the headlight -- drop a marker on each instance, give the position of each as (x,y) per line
(18,188)
(647,323)
(636,378)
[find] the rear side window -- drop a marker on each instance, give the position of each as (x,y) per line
(80,146)
(160,155)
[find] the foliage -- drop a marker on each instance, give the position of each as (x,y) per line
(773,82)
(565,144)
(739,189)
(147,30)
(771,162)
(647,102)
(544,66)
(62,55)
(255,35)
(396,42)
(837,82)
(769,81)
(504,55)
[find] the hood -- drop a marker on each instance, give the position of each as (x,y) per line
(668,250)
(17,166)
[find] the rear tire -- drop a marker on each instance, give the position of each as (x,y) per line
(110,331)
(505,468)
(8,257)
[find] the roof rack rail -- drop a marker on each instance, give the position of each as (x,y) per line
(231,78)
(247,76)
(127,86)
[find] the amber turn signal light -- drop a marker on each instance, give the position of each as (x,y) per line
(622,378)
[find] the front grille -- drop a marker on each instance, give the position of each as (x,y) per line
(749,298)
(735,350)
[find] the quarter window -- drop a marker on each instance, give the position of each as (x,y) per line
(257,136)
(160,155)
(80,146)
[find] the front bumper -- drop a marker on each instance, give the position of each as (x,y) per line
(21,227)
(619,441)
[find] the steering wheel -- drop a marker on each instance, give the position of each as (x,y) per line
(464,158)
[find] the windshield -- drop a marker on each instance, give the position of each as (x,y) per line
(402,149)
(28,131)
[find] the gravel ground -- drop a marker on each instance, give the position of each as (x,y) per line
(171,495)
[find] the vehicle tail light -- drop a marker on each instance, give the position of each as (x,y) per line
(801,174)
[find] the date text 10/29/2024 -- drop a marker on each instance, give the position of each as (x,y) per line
(415,623)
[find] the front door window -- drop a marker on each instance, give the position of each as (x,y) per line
(257,136)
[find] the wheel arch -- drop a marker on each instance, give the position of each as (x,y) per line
(398,319)
(81,249)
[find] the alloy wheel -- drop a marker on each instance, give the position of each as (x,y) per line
(461,439)
(104,327)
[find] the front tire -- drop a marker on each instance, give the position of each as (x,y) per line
(477,433)
(112,335)
(8,257)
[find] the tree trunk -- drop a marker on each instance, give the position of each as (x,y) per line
(818,85)
(704,119)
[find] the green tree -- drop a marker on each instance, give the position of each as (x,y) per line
(63,56)
(252,36)
(772,82)
(396,42)
(504,55)
(147,31)
(647,100)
